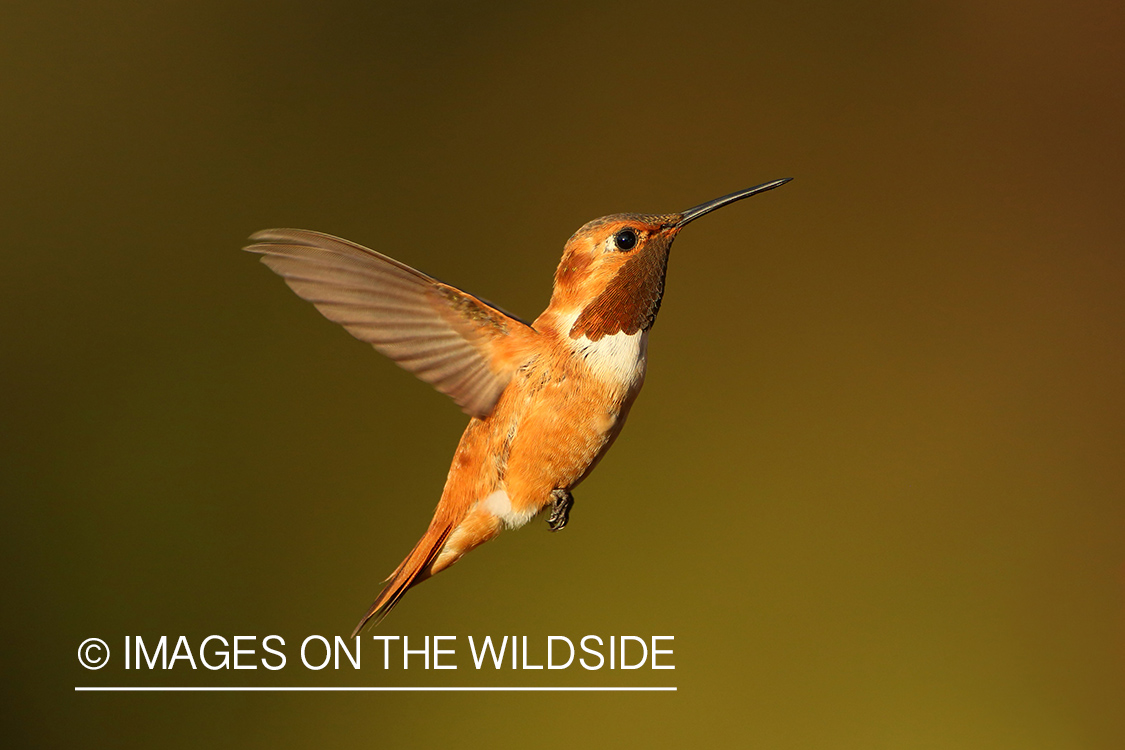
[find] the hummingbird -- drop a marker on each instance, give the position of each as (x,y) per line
(546,399)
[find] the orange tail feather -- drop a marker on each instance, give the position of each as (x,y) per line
(412,570)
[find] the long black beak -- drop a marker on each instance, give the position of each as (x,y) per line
(705,208)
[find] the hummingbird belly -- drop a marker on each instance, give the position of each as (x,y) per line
(572,410)
(558,417)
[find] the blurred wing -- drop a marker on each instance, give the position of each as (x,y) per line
(445,336)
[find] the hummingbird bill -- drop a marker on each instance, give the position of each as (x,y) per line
(545,399)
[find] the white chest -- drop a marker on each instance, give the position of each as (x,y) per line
(618,359)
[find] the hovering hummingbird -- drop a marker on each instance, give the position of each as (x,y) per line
(546,399)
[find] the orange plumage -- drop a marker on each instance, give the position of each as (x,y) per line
(547,399)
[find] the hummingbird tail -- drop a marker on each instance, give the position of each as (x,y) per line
(413,570)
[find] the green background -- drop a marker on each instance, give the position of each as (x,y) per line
(873,486)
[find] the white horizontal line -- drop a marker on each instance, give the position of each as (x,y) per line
(368,689)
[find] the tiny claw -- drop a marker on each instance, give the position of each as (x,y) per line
(561,502)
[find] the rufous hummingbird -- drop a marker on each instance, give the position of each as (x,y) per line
(546,399)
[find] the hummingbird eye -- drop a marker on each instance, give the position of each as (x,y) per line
(626,239)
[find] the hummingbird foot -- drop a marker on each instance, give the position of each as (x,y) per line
(561,502)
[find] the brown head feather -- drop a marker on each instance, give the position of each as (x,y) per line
(619,290)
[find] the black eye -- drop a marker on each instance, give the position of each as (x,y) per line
(626,239)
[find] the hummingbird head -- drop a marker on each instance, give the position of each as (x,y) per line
(612,270)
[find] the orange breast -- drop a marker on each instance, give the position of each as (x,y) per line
(558,416)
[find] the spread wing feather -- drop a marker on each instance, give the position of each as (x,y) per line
(447,337)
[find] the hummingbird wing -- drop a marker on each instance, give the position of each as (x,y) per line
(460,344)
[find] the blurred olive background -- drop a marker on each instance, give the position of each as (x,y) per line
(873,486)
